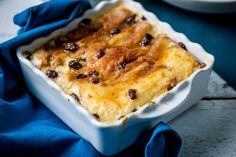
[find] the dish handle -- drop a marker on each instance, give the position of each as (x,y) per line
(167,103)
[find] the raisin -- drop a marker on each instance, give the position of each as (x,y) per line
(75,96)
(150,62)
(182,45)
(61,40)
(202,65)
(96,116)
(70,47)
(144,18)
(93,73)
(81,59)
(172,84)
(27,55)
(130,20)
(132,93)
(94,30)
(146,40)
(51,73)
(99,54)
(134,110)
(86,21)
(48,47)
(74,64)
(122,65)
(114,31)
(95,80)
(148,36)
(120,117)
(81,76)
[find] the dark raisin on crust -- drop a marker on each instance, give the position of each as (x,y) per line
(86,21)
(51,73)
(74,64)
(95,80)
(93,73)
(172,84)
(75,97)
(57,43)
(182,45)
(148,36)
(130,20)
(120,117)
(81,76)
(144,18)
(134,110)
(132,93)
(144,42)
(150,62)
(146,39)
(99,54)
(70,47)
(201,65)
(27,55)
(96,116)
(94,30)
(114,31)
(81,59)
(122,65)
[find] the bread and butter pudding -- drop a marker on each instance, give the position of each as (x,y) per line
(114,64)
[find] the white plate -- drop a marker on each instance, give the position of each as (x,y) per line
(205,6)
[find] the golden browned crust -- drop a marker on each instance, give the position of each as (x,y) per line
(115,64)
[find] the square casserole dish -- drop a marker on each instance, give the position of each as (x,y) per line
(110,139)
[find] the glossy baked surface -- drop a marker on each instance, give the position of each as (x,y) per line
(115,64)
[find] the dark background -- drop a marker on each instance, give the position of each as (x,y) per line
(215,32)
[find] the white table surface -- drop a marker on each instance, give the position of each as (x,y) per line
(208,129)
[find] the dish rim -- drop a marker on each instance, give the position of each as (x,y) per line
(131,116)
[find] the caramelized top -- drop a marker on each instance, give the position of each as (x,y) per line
(114,64)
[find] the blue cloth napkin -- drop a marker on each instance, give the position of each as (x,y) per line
(27,127)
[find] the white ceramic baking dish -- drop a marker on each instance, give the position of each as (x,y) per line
(110,139)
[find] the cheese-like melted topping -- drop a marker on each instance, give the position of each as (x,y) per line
(118,66)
